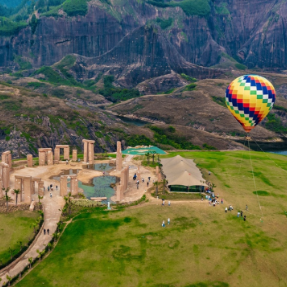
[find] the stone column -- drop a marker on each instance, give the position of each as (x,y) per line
(63,185)
(1,180)
(119,157)
(42,157)
(75,155)
(30,160)
(33,190)
(85,151)
(57,153)
(119,193)
(41,188)
(50,160)
(10,160)
(91,152)
(18,185)
(74,185)
(67,152)
(27,189)
(5,175)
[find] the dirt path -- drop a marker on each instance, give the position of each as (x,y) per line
(52,211)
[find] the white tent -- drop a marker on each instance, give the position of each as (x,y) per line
(182,171)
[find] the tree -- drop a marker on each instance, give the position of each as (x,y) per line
(40,197)
(9,279)
(164,183)
(34,225)
(41,254)
(153,155)
(33,23)
(16,191)
(30,262)
(49,246)
(7,198)
(156,187)
(21,244)
(147,156)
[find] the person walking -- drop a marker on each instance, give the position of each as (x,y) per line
(238,213)
(48,188)
(241,213)
(246,207)
(137,185)
(162,202)
(48,231)
(244,218)
(169,203)
(50,194)
(163,224)
(44,231)
(168,221)
(67,161)
(225,209)
(147,183)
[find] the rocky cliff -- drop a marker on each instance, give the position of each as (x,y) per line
(156,39)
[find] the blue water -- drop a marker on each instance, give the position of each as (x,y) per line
(283,152)
(100,187)
(100,166)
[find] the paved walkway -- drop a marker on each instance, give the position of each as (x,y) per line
(52,211)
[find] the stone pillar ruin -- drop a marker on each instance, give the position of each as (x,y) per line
(7,158)
(50,160)
(5,175)
(57,153)
(122,187)
(41,188)
(30,160)
(89,151)
(119,159)
(58,149)
(75,155)
(26,185)
(43,156)
(74,185)
(63,185)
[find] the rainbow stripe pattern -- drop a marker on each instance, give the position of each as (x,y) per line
(250,98)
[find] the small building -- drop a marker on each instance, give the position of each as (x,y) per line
(182,175)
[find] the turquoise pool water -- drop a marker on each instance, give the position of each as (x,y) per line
(143,151)
(100,187)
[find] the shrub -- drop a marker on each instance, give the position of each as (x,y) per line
(240,66)
(188,78)
(75,7)
(190,87)
(164,23)
(190,7)
(8,27)
(219,100)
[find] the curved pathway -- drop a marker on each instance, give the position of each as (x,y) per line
(52,212)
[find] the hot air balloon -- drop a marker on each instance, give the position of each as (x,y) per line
(250,98)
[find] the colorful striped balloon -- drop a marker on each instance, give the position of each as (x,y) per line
(250,98)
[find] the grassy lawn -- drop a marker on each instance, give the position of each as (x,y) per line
(15,227)
(202,247)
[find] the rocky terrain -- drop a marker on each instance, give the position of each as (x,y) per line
(71,68)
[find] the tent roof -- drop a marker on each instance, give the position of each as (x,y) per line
(182,171)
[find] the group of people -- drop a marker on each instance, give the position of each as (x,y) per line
(48,231)
(163,201)
(239,213)
(138,182)
(163,223)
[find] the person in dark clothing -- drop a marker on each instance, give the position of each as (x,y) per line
(44,231)
(244,218)
(241,213)
(48,231)
(147,183)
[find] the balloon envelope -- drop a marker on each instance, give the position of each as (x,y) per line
(250,98)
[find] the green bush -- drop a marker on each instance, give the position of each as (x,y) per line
(75,7)
(36,85)
(24,65)
(275,124)
(240,66)
(8,27)
(188,78)
(190,87)
(164,23)
(190,7)
(219,100)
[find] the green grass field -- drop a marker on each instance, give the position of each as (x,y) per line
(15,227)
(202,247)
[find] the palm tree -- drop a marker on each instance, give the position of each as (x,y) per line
(147,156)
(153,155)
(156,187)
(9,279)
(40,197)
(30,261)
(49,245)
(7,198)
(41,253)
(164,182)
(17,191)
